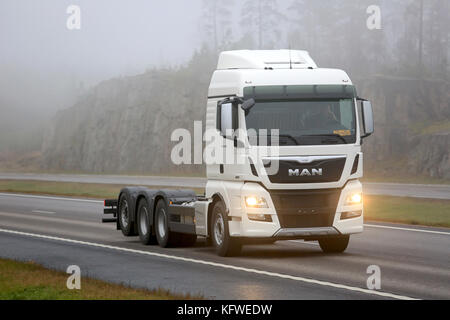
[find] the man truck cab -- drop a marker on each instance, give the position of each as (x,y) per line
(294,132)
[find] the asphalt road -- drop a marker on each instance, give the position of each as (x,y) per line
(392,189)
(58,232)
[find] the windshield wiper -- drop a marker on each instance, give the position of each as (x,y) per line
(327,135)
(284,136)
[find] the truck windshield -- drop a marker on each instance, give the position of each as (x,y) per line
(302,121)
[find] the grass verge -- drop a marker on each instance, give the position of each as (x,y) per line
(426,212)
(70,189)
(30,281)
(406,180)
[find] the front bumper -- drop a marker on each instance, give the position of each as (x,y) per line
(305,232)
(314,214)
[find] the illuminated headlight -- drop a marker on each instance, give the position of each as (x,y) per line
(352,199)
(255,202)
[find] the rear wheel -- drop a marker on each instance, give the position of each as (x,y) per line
(334,244)
(220,234)
(143,223)
(123,216)
(163,235)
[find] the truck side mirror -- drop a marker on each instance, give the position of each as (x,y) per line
(227,119)
(367,118)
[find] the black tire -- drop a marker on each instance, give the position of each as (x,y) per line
(225,245)
(164,237)
(144,226)
(334,244)
(123,216)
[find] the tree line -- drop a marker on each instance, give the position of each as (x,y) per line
(413,40)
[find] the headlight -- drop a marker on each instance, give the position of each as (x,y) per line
(256,202)
(352,199)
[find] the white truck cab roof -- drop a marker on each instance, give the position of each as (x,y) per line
(265,59)
(244,68)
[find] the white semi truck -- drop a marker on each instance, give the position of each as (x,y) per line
(315,194)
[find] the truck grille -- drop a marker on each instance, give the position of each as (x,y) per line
(305,208)
(331,171)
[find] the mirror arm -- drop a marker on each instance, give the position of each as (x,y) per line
(233,100)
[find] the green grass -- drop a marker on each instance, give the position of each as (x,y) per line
(71,189)
(30,281)
(428,212)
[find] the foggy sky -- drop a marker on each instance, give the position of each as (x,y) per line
(117,37)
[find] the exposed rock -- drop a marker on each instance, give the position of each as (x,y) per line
(403,109)
(124,125)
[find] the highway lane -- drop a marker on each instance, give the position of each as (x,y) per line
(413,263)
(392,189)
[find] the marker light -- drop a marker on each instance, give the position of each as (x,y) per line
(255,202)
(355,198)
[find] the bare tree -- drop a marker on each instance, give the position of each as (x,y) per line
(217,23)
(263,19)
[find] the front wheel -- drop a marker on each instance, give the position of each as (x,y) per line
(334,244)
(225,245)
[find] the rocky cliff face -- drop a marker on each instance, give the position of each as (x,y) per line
(124,125)
(412,127)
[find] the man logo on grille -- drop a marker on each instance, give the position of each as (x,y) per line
(305,172)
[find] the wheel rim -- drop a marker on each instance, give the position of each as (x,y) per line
(124,213)
(219,229)
(143,220)
(162,223)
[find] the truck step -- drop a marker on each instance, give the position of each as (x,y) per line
(110,211)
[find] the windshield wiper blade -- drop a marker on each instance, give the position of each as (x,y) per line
(285,136)
(327,135)
(288,136)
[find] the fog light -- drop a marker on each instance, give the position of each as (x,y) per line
(350,215)
(355,198)
(260,217)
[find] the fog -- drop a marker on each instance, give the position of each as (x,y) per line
(45,67)
(41,57)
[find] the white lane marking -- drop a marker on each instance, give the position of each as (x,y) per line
(215,264)
(406,229)
(49,198)
(42,211)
